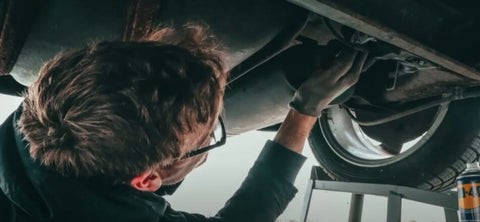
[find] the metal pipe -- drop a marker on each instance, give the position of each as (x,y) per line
(394,207)
(356,208)
(439,102)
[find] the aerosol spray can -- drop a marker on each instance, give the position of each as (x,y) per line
(468,185)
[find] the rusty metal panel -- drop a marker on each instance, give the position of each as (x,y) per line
(348,13)
(16,19)
(140,19)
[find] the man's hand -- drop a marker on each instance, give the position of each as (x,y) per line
(323,86)
(314,95)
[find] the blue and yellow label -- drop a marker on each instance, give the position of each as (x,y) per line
(469,196)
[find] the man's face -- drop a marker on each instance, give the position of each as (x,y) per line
(197,138)
(176,171)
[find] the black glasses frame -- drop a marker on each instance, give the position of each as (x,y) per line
(201,150)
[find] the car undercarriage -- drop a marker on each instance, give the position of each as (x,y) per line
(410,120)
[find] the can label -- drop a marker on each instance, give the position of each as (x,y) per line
(469,201)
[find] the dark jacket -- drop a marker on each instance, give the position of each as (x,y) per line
(30,192)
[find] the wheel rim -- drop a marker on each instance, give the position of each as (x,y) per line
(349,142)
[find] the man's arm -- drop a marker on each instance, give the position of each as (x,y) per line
(268,188)
(294,131)
(263,195)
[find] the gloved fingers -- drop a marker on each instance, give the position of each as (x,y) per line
(353,74)
(342,64)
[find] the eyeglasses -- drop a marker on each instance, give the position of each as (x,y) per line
(217,138)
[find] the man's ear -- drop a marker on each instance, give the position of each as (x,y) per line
(147,181)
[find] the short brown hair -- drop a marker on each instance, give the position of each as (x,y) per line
(115,109)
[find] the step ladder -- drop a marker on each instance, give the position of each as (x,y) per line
(320,181)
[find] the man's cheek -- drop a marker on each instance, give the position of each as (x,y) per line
(204,159)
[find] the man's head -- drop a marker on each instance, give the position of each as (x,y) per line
(121,110)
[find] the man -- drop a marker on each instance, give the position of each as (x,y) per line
(107,129)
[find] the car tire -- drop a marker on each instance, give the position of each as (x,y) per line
(433,166)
